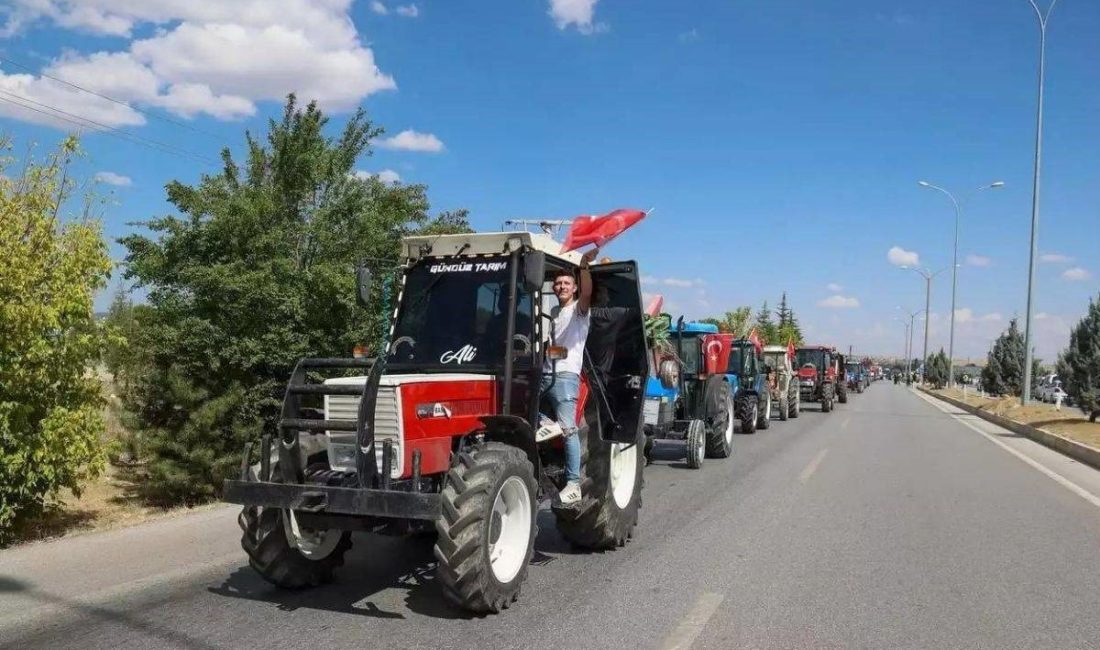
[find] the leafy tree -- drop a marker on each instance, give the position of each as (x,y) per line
(765,327)
(735,322)
(936,369)
(120,319)
(256,273)
(1003,373)
(50,407)
(1079,365)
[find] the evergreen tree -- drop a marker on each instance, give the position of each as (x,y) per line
(764,325)
(1079,365)
(783,313)
(1003,372)
(936,369)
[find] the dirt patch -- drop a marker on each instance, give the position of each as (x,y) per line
(1069,422)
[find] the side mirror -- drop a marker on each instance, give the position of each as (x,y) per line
(534,270)
(362,285)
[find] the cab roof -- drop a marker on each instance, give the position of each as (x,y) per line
(483,243)
(696,328)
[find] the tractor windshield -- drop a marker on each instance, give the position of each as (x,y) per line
(740,360)
(690,351)
(455,313)
(853,368)
(813,357)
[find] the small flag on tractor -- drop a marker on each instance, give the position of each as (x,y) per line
(654,307)
(790,349)
(599,230)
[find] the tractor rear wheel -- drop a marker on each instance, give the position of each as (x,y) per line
(796,403)
(719,418)
(842,393)
(286,554)
(611,493)
(486,530)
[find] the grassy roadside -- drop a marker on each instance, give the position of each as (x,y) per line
(1069,422)
(113,500)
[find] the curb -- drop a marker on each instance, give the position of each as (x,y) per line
(1075,450)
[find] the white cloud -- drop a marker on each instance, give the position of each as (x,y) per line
(1042,316)
(838,301)
(378,8)
(683,283)
(1055,258)
(387,176)
(834,287)
(978,260)
(217,58)
(967,315)
(409,140)
(112,178)
(1076,274)
(408,11)
(898,256)
(576,12)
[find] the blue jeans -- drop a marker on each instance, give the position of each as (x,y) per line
(563,398)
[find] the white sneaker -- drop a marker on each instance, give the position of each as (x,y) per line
(548,430)
(570,494)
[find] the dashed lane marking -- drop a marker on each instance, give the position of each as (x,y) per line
(1058,478)
(812,467)
(693,623)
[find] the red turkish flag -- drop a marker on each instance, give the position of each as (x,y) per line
(755,339)
(790,349)
(599,230)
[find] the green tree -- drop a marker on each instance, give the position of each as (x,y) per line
(787,328)
(765,326)
(1079,365)
(936,369)
(120,319)
(50,406)
(1003,373)
(256,273)
(735,322)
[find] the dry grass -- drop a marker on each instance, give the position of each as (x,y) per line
(1069,422)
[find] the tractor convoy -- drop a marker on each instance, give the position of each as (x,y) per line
(443,432)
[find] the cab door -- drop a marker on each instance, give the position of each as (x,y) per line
(616,350)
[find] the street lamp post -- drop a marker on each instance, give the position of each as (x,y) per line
(955,272)
(909,345)
(1025,395)
(927,275)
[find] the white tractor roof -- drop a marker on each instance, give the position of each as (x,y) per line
(775,348)
(482,243)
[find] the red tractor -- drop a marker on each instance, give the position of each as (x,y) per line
(817,375)
(437,434)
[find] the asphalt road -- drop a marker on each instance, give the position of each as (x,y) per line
(889,523)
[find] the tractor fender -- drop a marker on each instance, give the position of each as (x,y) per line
(515,431)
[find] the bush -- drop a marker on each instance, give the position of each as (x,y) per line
(50,408)
(936,369)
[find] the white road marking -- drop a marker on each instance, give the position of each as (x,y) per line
(1058,478)
(812,467)
(693,623)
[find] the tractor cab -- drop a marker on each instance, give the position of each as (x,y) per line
(747,374)
(817,374)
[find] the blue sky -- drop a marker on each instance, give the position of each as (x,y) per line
(781,142)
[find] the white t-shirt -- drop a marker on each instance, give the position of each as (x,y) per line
(570,332)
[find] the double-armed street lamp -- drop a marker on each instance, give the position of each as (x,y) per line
(909,341)
(955,270)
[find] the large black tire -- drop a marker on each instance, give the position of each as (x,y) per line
(765,409)
(695,444)
(784,408)
(719,418)
(749,414)
(468,527)
(275,554)
(842,393)
(609,507)
(796,405)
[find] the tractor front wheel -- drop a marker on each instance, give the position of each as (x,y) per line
(486,530)
(720,420)
(750,414)
(784,408)
(766,414)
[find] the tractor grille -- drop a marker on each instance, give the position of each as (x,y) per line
(387,426)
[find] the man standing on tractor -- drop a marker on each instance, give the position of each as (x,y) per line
(561,380)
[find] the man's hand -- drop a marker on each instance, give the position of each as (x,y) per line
(589,255)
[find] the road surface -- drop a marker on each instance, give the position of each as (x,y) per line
(889,523)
